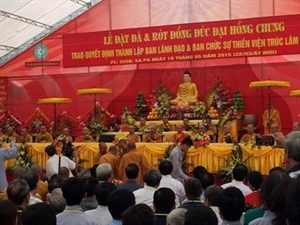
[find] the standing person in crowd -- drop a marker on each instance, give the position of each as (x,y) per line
(8,213)
(133,156)
(231,206)
(211,196)
(200,214)
(131,171)
(89,201)
(118,201)
(111,158)
(239,173)
(18,194)
(73,191)
(145,195)
(193,191)
(292,153)
(32,179)
(176,157)
(254,181)
(42,186)
(101,213)
(43,136)
(271,116)
(138,214)
(38,214)
(5,154)
(164,203)
(165,168)
(55,162)
(176,217)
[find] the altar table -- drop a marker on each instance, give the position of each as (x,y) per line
(213,156)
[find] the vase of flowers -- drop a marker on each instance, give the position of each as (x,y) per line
(200,140)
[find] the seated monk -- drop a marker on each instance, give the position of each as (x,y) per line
(43,136)
(186,125)
(250,136)
(179,136)
(227,136)
(131,135)
(153,136)
(143,126)
(166,126)
(25,137)
(124,126)
(85,137)
(203,130)
(187,93)
(11,133)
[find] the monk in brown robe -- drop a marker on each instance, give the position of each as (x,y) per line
(43,136)
(102,151)
(133,156)
(131,135)
(111,158)
(25,137)
(153,136)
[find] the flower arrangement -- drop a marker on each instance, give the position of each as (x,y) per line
(236,156)
(200,109)
(61,139)
(160,100)
(23,159)
(95,128)
(122,137)
(200,139)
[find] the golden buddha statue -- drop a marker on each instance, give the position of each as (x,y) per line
(187,93)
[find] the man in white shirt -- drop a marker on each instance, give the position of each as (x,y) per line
(53,164)
(145,195)
(101,214)
(165,168)
(239,173)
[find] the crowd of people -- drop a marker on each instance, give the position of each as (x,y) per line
(126,189)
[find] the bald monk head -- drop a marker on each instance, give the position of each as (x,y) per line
(131,146)
(274,128)
(296,126)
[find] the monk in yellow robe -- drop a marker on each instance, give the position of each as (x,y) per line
(85,137)
(11,133)
(187,93)
(143,126)
(111,158)
(270,116)
(227,136)
(202,129)
(131,135)
(250,136)
(133,156)
(165,125)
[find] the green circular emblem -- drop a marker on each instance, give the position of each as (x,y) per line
(40,51)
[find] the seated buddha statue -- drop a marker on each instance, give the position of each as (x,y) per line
(187,93)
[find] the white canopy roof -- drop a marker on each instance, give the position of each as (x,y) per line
(25,22)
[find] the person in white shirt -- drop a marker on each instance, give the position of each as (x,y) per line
(239,173)
(165,168)
(145,195)
(101,214)
(53,164)
(32,179)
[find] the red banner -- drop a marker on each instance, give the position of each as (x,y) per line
(222,39)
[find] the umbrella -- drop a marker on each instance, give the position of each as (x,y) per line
(54,101)
(94,91)
(295,93)
(269,84)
